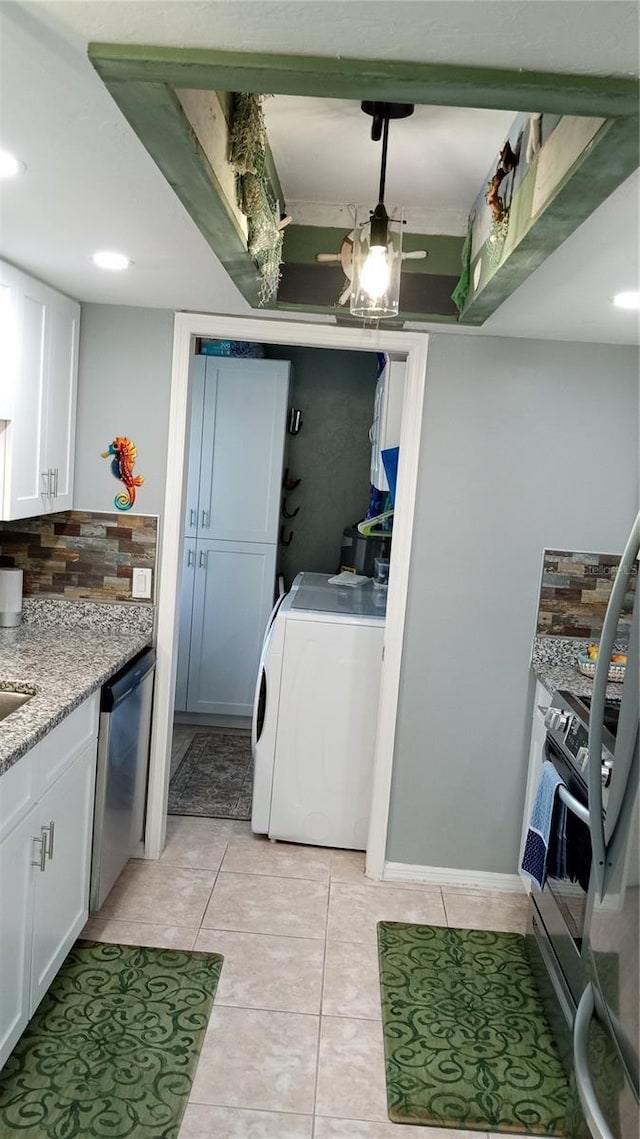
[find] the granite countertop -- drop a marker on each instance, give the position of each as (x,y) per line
(554,662)
(62,655)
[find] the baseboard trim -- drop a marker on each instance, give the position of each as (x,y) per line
(446,876)
(204,720)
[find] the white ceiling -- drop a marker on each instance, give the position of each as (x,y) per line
(437,159)
(90,184)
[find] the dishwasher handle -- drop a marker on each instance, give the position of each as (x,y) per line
(129,678)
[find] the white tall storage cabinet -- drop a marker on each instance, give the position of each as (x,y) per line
(387,418)
(238,417)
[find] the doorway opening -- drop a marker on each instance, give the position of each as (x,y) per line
(300,421)
(413,347)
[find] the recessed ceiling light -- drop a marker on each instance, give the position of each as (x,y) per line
(9,165)
(627,300)
(107,259)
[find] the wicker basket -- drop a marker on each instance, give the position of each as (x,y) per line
(588,668)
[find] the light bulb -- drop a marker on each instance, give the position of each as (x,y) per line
(376,272)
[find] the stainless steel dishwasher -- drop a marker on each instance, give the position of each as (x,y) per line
(121,778)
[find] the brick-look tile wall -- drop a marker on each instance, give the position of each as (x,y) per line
(574,593)
(79,554)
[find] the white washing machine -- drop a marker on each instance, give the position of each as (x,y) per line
(316,712)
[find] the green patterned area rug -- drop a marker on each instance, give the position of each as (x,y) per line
(467,1043)
(112,1049)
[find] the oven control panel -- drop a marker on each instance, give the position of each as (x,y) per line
(576,741)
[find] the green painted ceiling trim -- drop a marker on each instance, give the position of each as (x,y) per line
(154,112)
(604,164)
(391,80)
(302,242)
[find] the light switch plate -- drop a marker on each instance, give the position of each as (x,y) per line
(141,583)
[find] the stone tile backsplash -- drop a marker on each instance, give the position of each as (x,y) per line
(79,554)
(574,593)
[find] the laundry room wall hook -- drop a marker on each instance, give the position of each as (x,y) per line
(289,513)
(285,541)
(289,484)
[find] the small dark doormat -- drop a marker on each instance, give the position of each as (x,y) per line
(112,1049)
(215,778)
(467,1042)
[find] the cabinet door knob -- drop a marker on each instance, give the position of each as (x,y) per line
(41,860)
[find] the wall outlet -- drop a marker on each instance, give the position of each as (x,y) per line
(141,583)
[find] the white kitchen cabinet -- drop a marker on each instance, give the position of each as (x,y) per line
(231,526)
(65,816)
(46,816)
(39,364)
(232,599)
(16,909)
(541,702)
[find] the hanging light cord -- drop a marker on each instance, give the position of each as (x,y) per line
(383,168)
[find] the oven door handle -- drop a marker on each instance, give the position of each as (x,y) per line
(575,806)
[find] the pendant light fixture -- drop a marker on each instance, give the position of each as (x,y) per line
(377,239)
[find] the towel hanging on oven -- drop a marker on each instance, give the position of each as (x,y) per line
(536,847)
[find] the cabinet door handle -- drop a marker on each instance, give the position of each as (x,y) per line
(193,517)
(46,479)
(202,560)
(55,483)
(205,519)
(50,832)
(41,860)
(190,558)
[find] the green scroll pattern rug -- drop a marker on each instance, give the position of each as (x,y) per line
(112,1049)
(466,1040)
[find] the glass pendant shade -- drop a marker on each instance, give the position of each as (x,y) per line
(377,261)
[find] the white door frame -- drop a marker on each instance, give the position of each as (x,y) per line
(414,346)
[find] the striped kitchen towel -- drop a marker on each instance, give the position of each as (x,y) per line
(536,847)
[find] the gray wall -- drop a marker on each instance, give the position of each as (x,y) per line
(331,454)
(526,444)
(124,387)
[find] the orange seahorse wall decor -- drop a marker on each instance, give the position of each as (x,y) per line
(124,454)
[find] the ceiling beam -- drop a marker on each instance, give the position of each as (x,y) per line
(388,80)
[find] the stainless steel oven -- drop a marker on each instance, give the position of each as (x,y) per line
(558,913)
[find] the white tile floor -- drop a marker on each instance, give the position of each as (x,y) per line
(294,1045)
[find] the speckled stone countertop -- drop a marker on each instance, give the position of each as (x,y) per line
(554,661)
(62,662)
